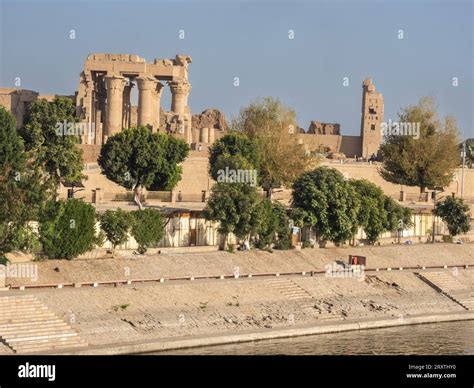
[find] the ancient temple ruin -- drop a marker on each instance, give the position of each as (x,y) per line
(104,96)
(104,105)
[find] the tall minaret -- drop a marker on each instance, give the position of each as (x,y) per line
(372,117)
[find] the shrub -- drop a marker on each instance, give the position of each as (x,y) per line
(26,240)
(455,213)
(115,225)
(147,228)
(447,239)
(273,227)
(331,204)
(3,260)
(67,229)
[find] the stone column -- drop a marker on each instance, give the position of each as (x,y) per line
(157,106)
(98,124)
(179,96)
(146,87)
(127,106)
(204,136)
(115,85)
(211,136)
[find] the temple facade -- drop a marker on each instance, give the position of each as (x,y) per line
(111,84)
(105,88)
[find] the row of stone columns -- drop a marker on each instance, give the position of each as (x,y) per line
(149,98)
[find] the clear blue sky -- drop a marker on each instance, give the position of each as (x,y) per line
(249,40)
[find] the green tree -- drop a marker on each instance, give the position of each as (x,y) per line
(21,189)
(326,198)
(469,152)
(147,228)
(301,217)
(50,138)
(227,165)
(273,229)
(455,213)
(116,225)
(427,160)
(67,228)
(235,151)
(272,126)
(135,158)
(399,217)
(235,206)
(372,216)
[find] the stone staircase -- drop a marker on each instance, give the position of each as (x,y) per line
(304,300)
(446,283)
(27,326)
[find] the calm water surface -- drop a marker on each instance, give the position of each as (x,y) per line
(448,338)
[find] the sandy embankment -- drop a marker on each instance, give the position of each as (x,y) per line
(153,316)
(129,266)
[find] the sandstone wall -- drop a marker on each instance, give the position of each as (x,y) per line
(370,172)
(90,152)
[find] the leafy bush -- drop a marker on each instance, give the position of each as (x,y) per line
(307,244)
(100,239)
(116,225)
(273,228)
(371,216)
(67,228)
(448,239)
(26,240)
(137,157)
(455,213)
(147,228)
(329,201)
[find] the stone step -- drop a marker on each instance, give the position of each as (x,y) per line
(49,348)
(278,281)
(32,328)
(285,286)
(298,292)
(298,297)
(16,306)
(67,343)
(31,323)
(25,317)
(19,304)
(20,321)
(10,305)
(28,327)
(17,310)
(41,338)
(44,333)
(17,299)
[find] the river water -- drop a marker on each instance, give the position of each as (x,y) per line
(449,338)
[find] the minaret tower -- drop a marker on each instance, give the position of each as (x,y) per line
(372,117)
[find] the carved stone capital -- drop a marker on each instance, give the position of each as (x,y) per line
(180,87)
(158,89)
(146,83)
(115,82)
